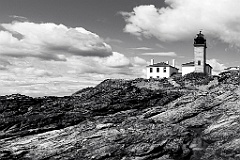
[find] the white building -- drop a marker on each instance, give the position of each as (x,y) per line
(190,67)
(232,69)
(199,64)
(161,70)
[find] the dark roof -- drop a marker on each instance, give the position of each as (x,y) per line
(192,64)
(188,64)
(208,65)
(200,40)
(161,64)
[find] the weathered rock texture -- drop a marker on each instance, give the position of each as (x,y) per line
(126,120)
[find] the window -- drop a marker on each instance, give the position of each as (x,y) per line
(199,63)
(157,76)
(151,70)
(164,69)
(157,69)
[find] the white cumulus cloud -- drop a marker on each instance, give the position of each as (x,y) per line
(139,61)
(50,41)
(116,60)
(50,59)
(183,18)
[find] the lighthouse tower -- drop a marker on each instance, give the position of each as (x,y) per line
(200,53)
(199,64)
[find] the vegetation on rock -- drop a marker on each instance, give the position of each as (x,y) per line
(194,79)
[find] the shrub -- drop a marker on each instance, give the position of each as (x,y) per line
(194,78)
(198,78)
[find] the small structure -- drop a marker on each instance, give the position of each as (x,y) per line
(232,69)
(199,64)
(161,70)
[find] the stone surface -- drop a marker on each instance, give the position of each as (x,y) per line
(126,120)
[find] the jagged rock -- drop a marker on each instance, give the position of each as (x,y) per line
(125,120)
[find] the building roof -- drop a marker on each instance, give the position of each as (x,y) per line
(192,64)
(188,64)
(162,64)
(229,68)
(200,40)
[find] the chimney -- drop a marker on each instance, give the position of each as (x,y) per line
(173,62)
(167,62)
(152,61)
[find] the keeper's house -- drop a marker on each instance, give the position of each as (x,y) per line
(161,70)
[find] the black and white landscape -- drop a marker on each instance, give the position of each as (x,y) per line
(119,79)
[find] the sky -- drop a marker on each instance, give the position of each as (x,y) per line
(57,47)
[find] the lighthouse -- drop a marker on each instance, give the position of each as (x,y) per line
(199,64)
(200,53)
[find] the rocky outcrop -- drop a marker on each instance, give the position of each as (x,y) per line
(125,120)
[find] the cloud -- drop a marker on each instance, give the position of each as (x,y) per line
(4,64)
(3,68)
(181,19)
(49,41)
(117,60)
(160,46)
(142,48)
(115,64)
(170,54)
(139,61)
(108,40)
(50,59)
(21,18)
(39,78)
(34,72)
(217,66)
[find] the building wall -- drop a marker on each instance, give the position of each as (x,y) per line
(208,70)
(187,69)
(173,70)
(159,74)
(200,56)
